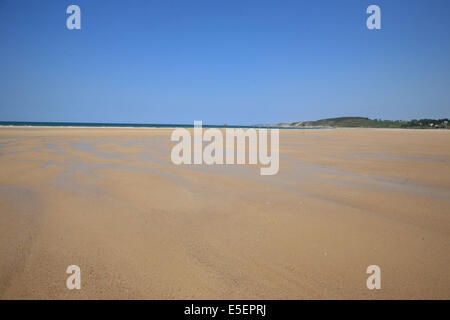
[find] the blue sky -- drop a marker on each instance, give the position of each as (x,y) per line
(223,61)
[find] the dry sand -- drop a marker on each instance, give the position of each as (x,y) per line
(110,201)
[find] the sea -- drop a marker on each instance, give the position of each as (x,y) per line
(134,125)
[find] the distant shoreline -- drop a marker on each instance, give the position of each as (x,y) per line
(324,124)
(362,122)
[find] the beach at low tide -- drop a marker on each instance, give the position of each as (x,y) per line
(110,201)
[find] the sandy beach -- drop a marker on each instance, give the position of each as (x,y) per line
(110,201)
